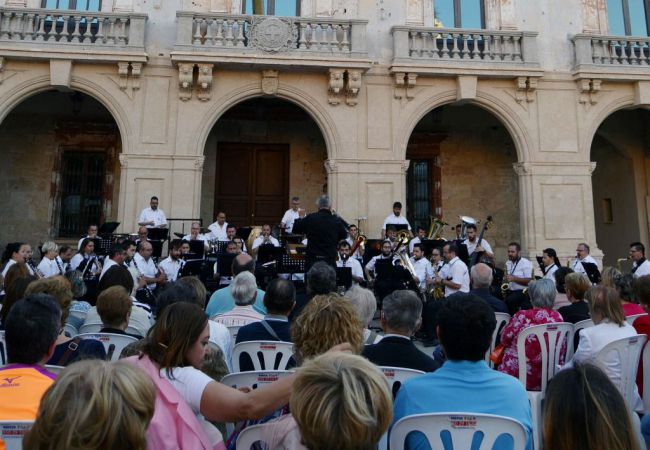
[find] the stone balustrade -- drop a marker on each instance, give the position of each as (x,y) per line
(48,29)
(612,50)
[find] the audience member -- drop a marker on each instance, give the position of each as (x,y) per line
(114,308)
(642,324)
(481,278)
(279,301)
(67,349)
(186,397)
(609,325)
(584,410)
(400,319)
(365,303)
(16,281)
(542,295)
(222,301)
(31,331)
(338,401)
(319,280)
(576,285)
(244,292)
(464,383)
(561,298)
(624,285)
(608,275)
(95,406)
(78,308)
(15,252)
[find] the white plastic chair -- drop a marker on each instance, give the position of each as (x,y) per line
(12,432)
(646,379)
(249,436)
(587,323)
(113,343)
(95,327)
(502,321)
(70,330)
(552,337)
(233,330)
(252,380)
(54,369)
(462,427)
(264,354)
(629,351)
(3,349)
(632,318)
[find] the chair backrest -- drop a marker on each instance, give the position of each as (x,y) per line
(502,321)
(91,327)
(553,338)
(233,330)
(587,323)
(632,318)
(249,436)
(629,351)
(12,433)
(266,355)
(54,369)
(3,349)
(113,343)
(461,426)
(70,330)
(398,375)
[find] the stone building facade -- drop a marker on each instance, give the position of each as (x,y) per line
(536,116)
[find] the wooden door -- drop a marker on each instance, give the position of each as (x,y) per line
(252,182)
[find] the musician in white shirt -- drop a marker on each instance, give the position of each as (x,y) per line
(64,258)
(551,263)
(293,213)
(117,255)
(218,228)
(353,234)
(173,263)
(395,219)
(582,256)
(472,242)
(344,260)
(146,267)
(130,248)
(264,239)
(231,235)
(423,268)
(195,233)
(92,234)
(386,253)
(640,266)
(86,253)
(422,234)
(231,249)
(519,270)
(153,217)
(48,266)
(454,275)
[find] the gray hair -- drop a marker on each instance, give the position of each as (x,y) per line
(324,202)
(320,279)
(542,293)
(244,289)
(481,276)
(402,310)
(364,303)
(49,246)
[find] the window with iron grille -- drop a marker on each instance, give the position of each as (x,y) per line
(469,14)
(419,193)
(287,8)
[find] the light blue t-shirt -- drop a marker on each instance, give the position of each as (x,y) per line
(464,386)
(222,302)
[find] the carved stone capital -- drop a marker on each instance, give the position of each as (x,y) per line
(525,88)
(335,86)
(270,82)
(593,167)
(405,165)
(124,160)
(204,81)
(331,166)
(123,72)
(136,75)
(352,87)
(404,83)
(198,163)
(522,169)
(588,89)
(185,78)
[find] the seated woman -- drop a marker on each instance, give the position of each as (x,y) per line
(114,308)
(576,285)
(186,397)
(338,401)
(561,298)
(79,307)
(583,409)
(608,275)
(610,325)
(95,405)
(542,295)
(624,285)
(15,282)
(68,350)
(365,303)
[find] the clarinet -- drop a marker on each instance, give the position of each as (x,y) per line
(180,268)
(85,274)
(149,298)
(35,269)
(61,271)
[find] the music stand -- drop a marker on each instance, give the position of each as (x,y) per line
(373,248)
(157,236)
(291,265)
(197,247)
(540,262)
(224,264)
(592,272)
(108,227)
(429,244)
(384,268)
(398,226)
(243,233)
(191,267)
(344,277)
(100,248)
(269,252)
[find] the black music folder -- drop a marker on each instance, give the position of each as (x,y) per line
(344,277)
(398,226)
(108,227)
(592,272)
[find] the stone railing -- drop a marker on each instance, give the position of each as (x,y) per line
(67,28)
(611,50)
(270,35)
(452,44)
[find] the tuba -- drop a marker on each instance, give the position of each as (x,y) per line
(255,233)
(466,220)
(436,228)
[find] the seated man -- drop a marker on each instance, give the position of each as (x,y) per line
(279,301)
(400,318)
(114,308)
(481,277)
(32,327)
(464,383)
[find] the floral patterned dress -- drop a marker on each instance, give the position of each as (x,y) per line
(519,322)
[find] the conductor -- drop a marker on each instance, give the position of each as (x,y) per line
(324,230)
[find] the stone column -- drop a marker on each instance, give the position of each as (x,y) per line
(556,207)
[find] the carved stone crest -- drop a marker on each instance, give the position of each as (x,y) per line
(271,34)
(270,82)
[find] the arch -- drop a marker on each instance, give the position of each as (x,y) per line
(607,110)
(490,103)
(37,85)
(285,92)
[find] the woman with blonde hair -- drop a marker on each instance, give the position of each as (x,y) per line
(95,406)
(576,286)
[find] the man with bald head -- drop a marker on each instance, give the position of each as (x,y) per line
(481,276)
(144,264)
(222,300)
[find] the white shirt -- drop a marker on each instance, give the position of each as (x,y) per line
(82,239)
(107,265)
(520,269)
(471,246)
(455,271)
(289,217)
(423,270)
(550,273)
(220,336)
(158,217)
(218,232)
(352,263)
(257,242)
(76,260)
(134,274)
(396,220)
(48,267)
(579,268)
(199,237)
(171,267)
(644,269)
(146,268)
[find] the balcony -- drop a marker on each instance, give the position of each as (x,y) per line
(453,51)
(77,35)
(616,58)
(270,42)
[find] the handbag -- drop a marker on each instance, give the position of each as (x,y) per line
(497,354)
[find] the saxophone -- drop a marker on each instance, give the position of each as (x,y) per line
(437,292)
